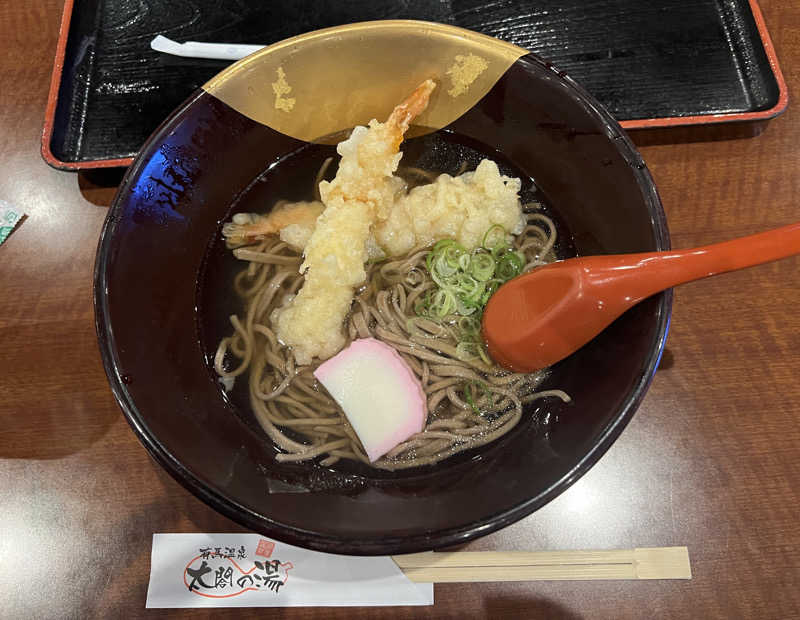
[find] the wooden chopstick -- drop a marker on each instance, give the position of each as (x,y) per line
(463,566)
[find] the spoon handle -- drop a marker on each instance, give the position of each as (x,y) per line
(745,252)
(667,269)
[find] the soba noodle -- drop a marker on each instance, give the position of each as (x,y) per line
(469,402)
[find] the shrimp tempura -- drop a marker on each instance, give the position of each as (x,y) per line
(361,194)
(247,228)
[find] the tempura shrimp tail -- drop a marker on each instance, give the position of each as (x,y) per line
(400,119)
(247,228)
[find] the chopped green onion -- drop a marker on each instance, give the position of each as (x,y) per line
(469,398)
(468,324)
(473,390)
(443,303)
(465,280)
(466,351)
(509,265)
(482,266)
(494,237)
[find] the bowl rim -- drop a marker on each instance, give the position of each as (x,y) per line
(405,544)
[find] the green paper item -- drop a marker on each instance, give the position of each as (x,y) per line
(9,218)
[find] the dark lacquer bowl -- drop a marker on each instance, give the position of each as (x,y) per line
(160,284)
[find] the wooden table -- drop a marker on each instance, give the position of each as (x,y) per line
(711,460)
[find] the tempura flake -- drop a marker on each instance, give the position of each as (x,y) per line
(461,208)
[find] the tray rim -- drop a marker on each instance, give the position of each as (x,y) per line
(647,123)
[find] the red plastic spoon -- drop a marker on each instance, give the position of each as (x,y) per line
(541,317)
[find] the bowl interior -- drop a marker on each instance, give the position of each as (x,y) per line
(156,274)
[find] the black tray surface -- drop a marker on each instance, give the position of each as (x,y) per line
(643,60)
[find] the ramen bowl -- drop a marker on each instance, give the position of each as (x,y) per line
(255,134)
